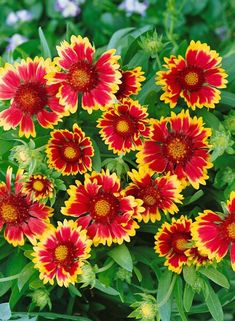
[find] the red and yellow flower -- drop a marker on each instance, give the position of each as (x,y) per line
(38,187)
(172,242)
(61,252)
(21,216)
(124,125)
(158,194)
(178,144)
(197,258)
(214,233)
(69,152)
(96,81)
(102,209)
(31,97)
(130,83)
(195,78)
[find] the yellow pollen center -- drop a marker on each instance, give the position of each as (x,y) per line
(102,208)
(61,252)
(9,213)
(177,149)
(149,200)
(38,185)
(70,152)
(80,78)
(191,78)
(231,230)
(122,126)
(181,244)
(147,310)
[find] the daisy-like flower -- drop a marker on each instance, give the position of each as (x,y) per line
(61,252)
(21,216)
(158,194)
(178,144)
(172,242)
(102,209)
(197,258)
(124,125)
(38,187)
(195,78)
(96,81)
(130,83)
(69,152)
(31,97)
(214,233)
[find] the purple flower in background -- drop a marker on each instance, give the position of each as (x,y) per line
(18,16)
(15,41)
(68,8)
(134,6)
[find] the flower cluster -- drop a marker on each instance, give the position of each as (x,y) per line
(104,209)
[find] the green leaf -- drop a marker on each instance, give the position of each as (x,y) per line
(178,296)
(116,37)
(210,119)
(165,288)
(46,53)
(121,255)
(228,98)
(213,304)
(190,275)
(25,275)
(194,198)
(106,289)
(149,86)
(4,146)
(96,159)
(73,290)
(215,276)
(188,297)
(5,311)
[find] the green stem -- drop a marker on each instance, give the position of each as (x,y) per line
(10,278)
(158,62)
(168,294)
(106,267)
(144,289)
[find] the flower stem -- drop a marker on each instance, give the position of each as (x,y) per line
(10,278)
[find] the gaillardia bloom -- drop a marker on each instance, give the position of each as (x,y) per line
(158,194)
(130,83)
(21,216)
(96,81)
(69,152)
(38,187)
(197,258)
(178,144)
(61,253)
(101,209)
(214,233)
(195,78)
(124,125)
(172,242)
(31,97)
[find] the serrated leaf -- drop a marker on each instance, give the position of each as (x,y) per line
(215,276)
(121,255)
(46,53)
(5,311)
(214,305)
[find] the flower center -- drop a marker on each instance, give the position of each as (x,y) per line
(38,185)
(9,213)
(180,242)
(82,77)
(102,208)
(150,195)
(31,98)
(177,149)
(147,310)
(149,200)
(231,230)
(61,252)
(71,152)
(191,78)
(122,126)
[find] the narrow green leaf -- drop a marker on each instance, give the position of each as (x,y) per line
(194,197)
(96,159)
(214,305)
(165,287)
(106,289)
(25,275)
(188,297)
(121,255)
(5,311)
(73,290)
(149,86)
(215,276)
(116,37)
(228,98)
(190,275)
(179,299)
(46,53)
